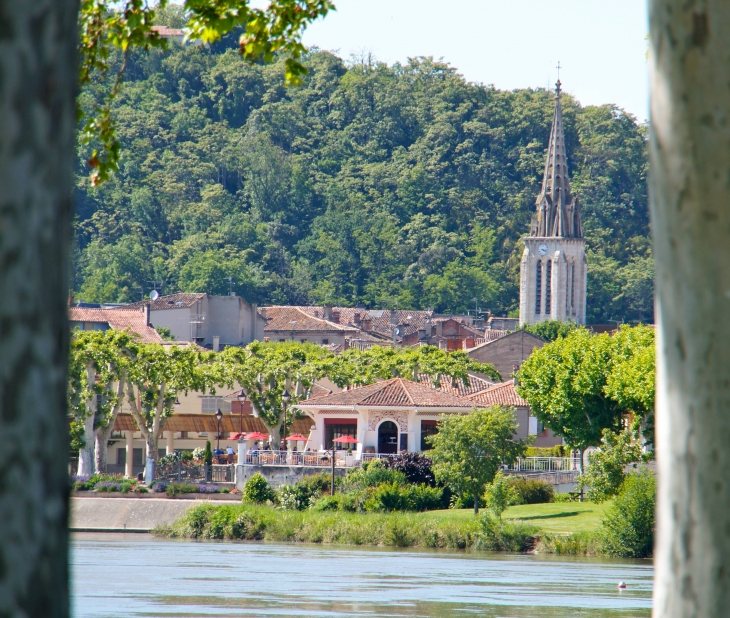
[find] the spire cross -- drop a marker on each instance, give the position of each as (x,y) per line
(558,84)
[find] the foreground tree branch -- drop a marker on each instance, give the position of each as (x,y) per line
(690,202)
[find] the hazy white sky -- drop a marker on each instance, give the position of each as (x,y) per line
(509,43)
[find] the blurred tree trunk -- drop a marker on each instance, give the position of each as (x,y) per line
(690,202)
(37,86)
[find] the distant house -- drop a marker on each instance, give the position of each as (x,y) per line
(447,333)
(135,321)
(386,417)
(210,321)
(174,34)
(495,323)
(293,324)
(506,352)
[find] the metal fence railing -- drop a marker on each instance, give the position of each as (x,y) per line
(181,472)
(545,464)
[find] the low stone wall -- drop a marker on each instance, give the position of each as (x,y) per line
(125,514)
(277,476)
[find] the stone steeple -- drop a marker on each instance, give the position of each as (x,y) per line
(558,213)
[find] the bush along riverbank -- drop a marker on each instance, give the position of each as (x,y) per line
(378,505)
(396,529)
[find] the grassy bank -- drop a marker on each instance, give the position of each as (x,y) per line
(552,518)
(435,529)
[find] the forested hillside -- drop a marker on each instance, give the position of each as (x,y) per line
(391,186)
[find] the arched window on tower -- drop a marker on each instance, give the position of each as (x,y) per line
(538,287)
(548,281)
(572,289)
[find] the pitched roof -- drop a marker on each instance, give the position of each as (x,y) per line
(171,301)
(500,394)
(294,319)
(318,390)
(475,385)
(501,334)
(380,319)
(133,320)
(393,392)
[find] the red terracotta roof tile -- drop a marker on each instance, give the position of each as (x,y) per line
(499,394)
(393,392)
(282,319)
(133,320)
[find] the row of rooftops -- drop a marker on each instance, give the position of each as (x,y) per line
(364,327)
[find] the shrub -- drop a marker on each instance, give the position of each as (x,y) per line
(495,535)
(208,454)
(139,489)
(199,454)
(207,489)
(339,502)
(258,491)
(372,475)
(305,492)
(171,458)
(531,491)
(605,472)
(158,487)
(552,451)
(415,466)
(127,486)
(628,529)
(393,497)
(499,495)
(175,489)
(107,486)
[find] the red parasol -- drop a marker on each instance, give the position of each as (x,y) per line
(297,437)
(236,436)
(346,440)
(256,435)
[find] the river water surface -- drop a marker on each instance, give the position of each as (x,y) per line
(137,575)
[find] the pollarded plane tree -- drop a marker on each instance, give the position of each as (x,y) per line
(265,371)
(154,381)
(98,363)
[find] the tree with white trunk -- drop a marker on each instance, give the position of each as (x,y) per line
(98,366)
(155,379)
(689,59)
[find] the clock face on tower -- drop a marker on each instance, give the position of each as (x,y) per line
(543,249)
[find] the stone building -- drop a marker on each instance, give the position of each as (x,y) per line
(508,352)
(553,269)
(208,320)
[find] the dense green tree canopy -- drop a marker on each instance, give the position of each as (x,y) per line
(582,384)
(397,185)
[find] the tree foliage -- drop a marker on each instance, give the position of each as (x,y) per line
(398,185)
(469,450)
(550,330)
(606,469)
(582,384)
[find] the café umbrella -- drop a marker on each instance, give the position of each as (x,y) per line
(345,440)
(297,437)
(256,435)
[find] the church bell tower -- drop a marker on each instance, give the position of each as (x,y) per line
(553,269)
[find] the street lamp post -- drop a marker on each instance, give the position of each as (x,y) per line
(241,399)
(285,398)
(219,417)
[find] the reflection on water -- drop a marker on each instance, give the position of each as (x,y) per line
(138,575)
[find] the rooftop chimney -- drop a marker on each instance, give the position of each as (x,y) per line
(327,312)
(356,318)
(216,343)
(336,317)
(146,311)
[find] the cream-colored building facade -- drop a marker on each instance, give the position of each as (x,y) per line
(553,271)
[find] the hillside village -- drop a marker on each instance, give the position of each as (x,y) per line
(387,417)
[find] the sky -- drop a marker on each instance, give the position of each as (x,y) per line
(600,45)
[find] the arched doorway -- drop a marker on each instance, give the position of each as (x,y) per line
(388,437)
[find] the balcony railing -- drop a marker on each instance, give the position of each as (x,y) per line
(545,464)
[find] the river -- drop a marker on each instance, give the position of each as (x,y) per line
(117,575)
